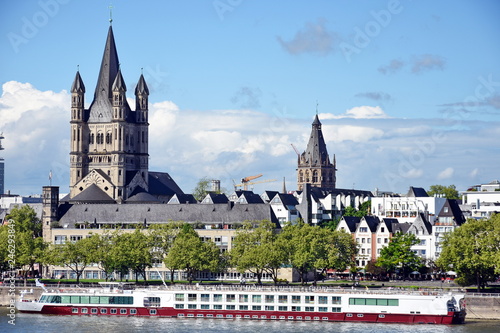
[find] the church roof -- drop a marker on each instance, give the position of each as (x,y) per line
(316,153)
(160,183)
(92,194)
(143,197)
(119,83)
(142,87)
(158,213)
(78,85)
(417,192)
(101,107)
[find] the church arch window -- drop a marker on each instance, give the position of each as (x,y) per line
(301,176)
(307,176)
(315,176)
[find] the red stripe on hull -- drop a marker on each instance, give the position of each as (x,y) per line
(450,318)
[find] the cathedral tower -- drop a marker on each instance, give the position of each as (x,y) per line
(109,140)
(313,165)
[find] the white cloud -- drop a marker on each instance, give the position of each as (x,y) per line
(359,112)
(230,144)
(446,174)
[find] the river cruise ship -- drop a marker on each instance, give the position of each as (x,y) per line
(254,302)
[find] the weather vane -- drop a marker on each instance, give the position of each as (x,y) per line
(110,14)
(317,107)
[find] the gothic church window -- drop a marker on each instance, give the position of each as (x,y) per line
(315,176)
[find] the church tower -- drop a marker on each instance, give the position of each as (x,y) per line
(109,140)
(313,165)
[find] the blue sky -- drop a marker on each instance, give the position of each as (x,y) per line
(408,91)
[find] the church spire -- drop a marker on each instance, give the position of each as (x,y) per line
(101,105)
(78,86)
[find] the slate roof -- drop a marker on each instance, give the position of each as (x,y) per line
(422,224)
(267,196)
(400,227)
(416,192)
(182,198)
(143,197)
(161,184)
(161,213)
(372,222)
(453,211)
(101,107)
(352,222)
(215,198)
(142,87)
(288,199)
(316,153)
(92,194)
(78,85)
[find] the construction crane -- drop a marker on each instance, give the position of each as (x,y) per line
(247,181)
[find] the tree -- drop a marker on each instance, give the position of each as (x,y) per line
(398,254)
(29,244)
(364,209)
(201,189)
(74,255)
(449,192)
(257,250)
(473,251)
(190,253)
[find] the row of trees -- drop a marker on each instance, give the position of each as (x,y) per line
(472,250)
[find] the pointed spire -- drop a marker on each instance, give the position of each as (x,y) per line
(283,190)
(78,86)
(316,153)
(109,68)
(142,87)
(119,83)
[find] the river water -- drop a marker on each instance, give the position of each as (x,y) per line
(47,323)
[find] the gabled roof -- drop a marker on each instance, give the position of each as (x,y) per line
(390,222)
(214,198)
(288,199)
(267,196)
(400,227)
(182,199)
(372,222)
(454,211)
(352,222)
(417,192)
(422,225)
(249,197)
(92,194)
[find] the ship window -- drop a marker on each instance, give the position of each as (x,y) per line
(269,299)
(322,309)
(309,308)
(65,299)
(269,308)
(243,298)
(94,310)
(256,307)
(323,299)
(231,298)
(179,306)
(84,299)
(243,307)
(336,299)
(217,306)
(230,307)
(295,298)
(205,306)
(179,297)
(205,297)
(217,297)
(123,311)
(133,311)
(295,308)
(191,297)
(112,311)
(104,300)
(85,310)
(310,299)
(283,299)
(256,298)
(192,306)
(104,310)
(152,311)
(335,309)
(75,299)
(282,308)
(74,310)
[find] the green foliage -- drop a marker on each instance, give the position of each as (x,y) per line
(398,254)
(201,189)
(449,192)
(257,250)
(188,252)
(364,209)
(74,255)
(311,248)
(29,244)
(473,252)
